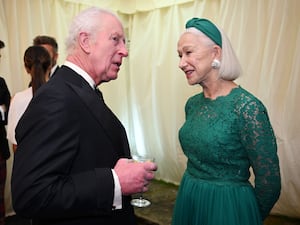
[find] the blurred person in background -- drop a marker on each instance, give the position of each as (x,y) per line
(4,147)
(37,63)
(51,45)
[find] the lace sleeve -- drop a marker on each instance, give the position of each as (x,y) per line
(260,142)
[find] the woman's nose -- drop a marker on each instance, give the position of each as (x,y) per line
(182,63)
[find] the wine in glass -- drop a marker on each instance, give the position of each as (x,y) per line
(141,201)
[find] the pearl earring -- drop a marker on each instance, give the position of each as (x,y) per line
(216,64)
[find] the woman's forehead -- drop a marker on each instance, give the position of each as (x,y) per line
(189,39)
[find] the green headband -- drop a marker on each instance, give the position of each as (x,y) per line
(206,27)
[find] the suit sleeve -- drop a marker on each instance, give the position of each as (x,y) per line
(44,182)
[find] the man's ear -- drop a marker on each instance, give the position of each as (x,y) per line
(84,41)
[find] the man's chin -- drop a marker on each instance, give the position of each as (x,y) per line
(111,77)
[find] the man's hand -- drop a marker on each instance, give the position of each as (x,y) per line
(134,176)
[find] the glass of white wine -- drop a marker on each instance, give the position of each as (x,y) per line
(141,201)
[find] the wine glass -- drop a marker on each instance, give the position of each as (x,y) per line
(141,201)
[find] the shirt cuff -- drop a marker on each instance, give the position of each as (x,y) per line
(117,203)
(2,111)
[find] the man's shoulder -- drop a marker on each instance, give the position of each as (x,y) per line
(63,69)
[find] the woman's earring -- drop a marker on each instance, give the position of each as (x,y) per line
(215,64)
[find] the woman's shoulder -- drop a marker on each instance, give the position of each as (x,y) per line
(245,95)
(21,95)
(246,100)
(195,97)
(24,92)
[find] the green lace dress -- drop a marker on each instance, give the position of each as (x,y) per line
(222,139)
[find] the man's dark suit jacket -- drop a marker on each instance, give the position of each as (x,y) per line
(4,100)
(68,142)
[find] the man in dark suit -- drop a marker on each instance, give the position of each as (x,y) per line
(4,106)
(51,45)
(71,166)
(4,148)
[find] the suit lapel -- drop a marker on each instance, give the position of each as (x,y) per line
(106,118)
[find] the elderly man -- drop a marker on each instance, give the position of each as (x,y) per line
(72,163)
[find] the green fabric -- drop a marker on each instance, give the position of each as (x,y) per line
(201,202)
(206,27)
(222,138)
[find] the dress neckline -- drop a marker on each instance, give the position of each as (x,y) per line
(221,96)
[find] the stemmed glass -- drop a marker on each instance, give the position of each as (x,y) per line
(141,201)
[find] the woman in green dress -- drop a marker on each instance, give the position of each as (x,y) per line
(227,131)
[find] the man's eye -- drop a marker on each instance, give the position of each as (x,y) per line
(116,39)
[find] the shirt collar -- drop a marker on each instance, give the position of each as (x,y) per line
(53,70)
(81,72)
